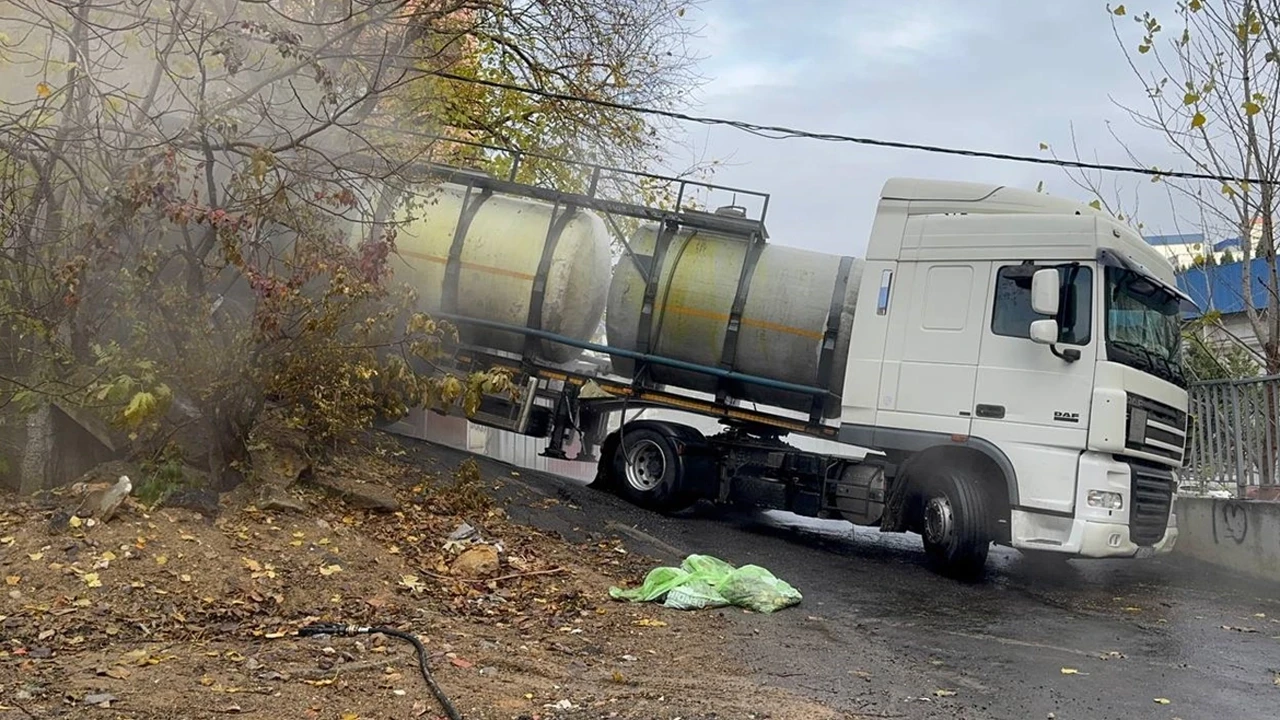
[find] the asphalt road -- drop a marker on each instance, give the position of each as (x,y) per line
(879,635)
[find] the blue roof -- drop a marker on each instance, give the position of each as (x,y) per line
(1233,243)
(1220,288)
(1184,239)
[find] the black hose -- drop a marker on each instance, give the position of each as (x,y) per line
(348,630)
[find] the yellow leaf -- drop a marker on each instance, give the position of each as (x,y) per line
(75,522)
(36,556)
(108,556)
(141,405)
(944,693)
(1190,99)
(1119,11)
(328,570)
(647,622)
(12,579)
(91,579)
(252,565)
(43,90)
(349,716)
(161,559)
(1070,671)
(296,543)
(184,578)
(1252,108)
(1198,120)
(1162,701)
(7,540)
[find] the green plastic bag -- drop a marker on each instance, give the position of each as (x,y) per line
(656,584)
(703,581)
(694,595)
(757,589)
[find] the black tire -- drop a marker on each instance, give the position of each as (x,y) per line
(648,472)
(955,523)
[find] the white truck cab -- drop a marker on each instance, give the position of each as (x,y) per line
(1038,335)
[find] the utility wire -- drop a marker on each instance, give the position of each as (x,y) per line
(780,132)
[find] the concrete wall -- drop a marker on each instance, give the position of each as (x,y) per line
(1240,535)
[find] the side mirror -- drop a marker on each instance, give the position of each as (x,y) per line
(1044,332)
(1044,292)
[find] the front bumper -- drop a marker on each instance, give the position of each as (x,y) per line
(1091,531)
(1084,538)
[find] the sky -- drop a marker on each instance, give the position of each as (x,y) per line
(998,75)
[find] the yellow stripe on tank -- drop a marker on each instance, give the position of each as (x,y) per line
(762,324)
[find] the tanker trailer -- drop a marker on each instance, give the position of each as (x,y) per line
(737,303)
(506,259)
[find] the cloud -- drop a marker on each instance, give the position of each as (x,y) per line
(1001,75)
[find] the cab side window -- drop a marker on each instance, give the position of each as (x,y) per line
(1012,315)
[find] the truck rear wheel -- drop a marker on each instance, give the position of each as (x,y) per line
(955,524)
(648,471)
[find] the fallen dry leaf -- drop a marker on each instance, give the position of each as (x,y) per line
(327,570)
(648,622)
(1070,671)
(459,662)
(7,540)
(12,579)
(91,579)
(35,556)
(162,559)
(1162,701)
(944,693)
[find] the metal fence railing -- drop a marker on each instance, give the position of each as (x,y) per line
(1235,437)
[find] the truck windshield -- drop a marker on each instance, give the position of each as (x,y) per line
(1143,328)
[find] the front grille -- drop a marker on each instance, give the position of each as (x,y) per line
(1155,429)
(1151,495)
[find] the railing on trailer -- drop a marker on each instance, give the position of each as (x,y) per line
(750,229)
(564,388)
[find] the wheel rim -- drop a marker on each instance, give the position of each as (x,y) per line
(646,465)
(939,522)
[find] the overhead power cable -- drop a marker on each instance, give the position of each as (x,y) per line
(781,132)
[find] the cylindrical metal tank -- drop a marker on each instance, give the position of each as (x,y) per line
(489,269)
(791,301)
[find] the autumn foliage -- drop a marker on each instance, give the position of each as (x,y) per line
(194,212)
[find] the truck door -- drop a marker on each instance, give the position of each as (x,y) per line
(940,341)
(1031,403)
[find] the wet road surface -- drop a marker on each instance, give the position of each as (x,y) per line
(879,635)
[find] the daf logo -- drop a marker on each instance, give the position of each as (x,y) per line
(1066,417)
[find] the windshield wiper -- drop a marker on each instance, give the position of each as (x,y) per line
(1159,365)
(1140,351)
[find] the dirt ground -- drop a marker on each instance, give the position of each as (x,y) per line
(168,613)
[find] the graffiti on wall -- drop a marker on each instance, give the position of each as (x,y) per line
(1230,521)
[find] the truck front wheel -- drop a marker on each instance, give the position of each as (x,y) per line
(955,524)
(648,471)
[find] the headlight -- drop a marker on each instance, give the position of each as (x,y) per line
(1105,500)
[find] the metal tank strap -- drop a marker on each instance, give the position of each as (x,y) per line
(729,350)
(828,355)
(537,296)
(645,325)
(453,267)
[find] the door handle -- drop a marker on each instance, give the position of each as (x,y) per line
(993,412)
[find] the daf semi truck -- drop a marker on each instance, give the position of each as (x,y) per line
(1002,365)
